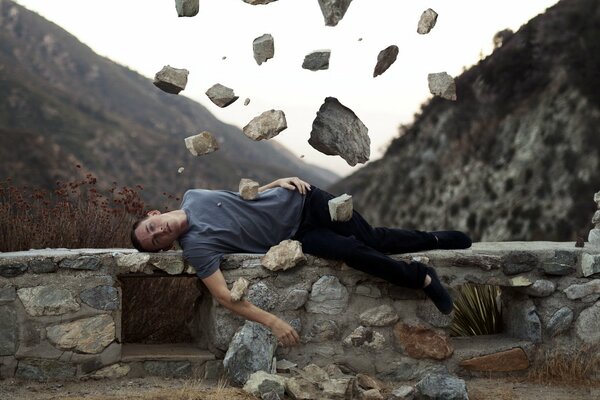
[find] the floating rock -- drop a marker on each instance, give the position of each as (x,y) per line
(385,59)
(251,349)
(420,341)
(338,131)
(365,337)
(587,325)
(104,297)
(287,254)
(88,335)
(317,60)
(171,80)
(200,144)
(239,289)
(257,2)
(442,387)
(248,189)
(574,292)
(47,300)
(541,288)
(247,101)
(264,48)
(559,322)
(503,361)
(328,296)
(427,21)
(187,8)
(334,10)
(379,316)
(266,126)
(340,208)
(442,84)
(181,169)
(221,95)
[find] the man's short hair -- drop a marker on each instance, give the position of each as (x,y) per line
(134,239)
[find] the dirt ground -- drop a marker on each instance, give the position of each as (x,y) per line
(171,389)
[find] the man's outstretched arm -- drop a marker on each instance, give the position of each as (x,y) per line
(292,183)
(282,330)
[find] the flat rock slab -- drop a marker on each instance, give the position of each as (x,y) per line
(102,297)
(338,131)
(47,300)
(87,335)
(504,361)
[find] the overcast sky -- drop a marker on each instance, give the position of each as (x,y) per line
(145,35)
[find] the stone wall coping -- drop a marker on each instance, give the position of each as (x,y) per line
(492,248)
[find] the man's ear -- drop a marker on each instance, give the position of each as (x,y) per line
(153,212)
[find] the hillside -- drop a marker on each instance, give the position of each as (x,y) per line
(517,156)
(64,105)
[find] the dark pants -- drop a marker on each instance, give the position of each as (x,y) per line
(360,245)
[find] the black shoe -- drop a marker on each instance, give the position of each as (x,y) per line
(438,294)
(452,240)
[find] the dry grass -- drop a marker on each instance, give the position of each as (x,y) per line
(185,393)
(564,366)
(75,214)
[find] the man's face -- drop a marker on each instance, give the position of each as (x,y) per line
(158,232)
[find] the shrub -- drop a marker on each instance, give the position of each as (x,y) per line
(477,311)
(74,215)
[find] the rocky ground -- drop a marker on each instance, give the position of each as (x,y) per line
(166,389)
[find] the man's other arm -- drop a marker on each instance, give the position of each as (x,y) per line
(292,183)
(282,330)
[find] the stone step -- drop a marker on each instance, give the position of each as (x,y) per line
(164,352)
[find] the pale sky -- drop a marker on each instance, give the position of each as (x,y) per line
(145,35)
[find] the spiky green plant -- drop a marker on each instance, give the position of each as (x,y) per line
(477,311)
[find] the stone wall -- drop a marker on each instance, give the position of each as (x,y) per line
(60,312)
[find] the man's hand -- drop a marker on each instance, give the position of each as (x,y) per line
(285,333)
(291,183)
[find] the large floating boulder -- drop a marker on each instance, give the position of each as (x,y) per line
(202,143)
(338,131)
(385,59)
(251,350)
(266,126)
(442,84)
(187,8)
(317,60)
(334,10)
(171,80)
(221,95)
(264,48)
(239,289)
(427,21)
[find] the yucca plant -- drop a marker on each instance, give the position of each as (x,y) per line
(477,311)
